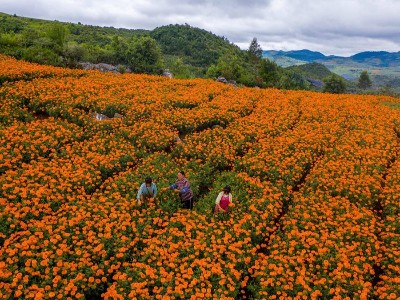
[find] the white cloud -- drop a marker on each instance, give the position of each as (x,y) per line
(341,27)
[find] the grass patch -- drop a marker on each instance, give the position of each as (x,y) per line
(392,105)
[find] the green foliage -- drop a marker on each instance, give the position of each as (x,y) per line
(145,56)
(29,37)
(270,73)
(179,69)
(9,44)
(42,55)
(9,24)
(73,53)
(364,81)
(58,34)
(312,70)
(231,66)
(293,81)
(334,84)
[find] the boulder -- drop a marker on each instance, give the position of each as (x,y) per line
(167,73)
(100,66)
(221,79)
(100,117)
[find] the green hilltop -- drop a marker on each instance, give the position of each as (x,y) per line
(312,70)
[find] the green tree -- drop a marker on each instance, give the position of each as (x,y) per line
(73,54)
(179,69)
(230,66)
(11,25)
(269,72)
(387,90)
(58,34)
(293,81)
(119,49)
(42,55)
(29,37)
(255,51)
(334,84)
(10,45)
(364,81)
(145,56)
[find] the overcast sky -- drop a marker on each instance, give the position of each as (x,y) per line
(338,27)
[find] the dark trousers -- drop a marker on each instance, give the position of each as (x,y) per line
(188,204)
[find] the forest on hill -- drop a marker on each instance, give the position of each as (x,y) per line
(186,51)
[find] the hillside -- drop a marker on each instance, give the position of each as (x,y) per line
(315,179)
(35,40)
(80,33)
(312,70)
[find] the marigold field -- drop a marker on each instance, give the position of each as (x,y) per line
(315,179)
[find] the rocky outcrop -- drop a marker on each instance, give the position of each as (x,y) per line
(101,67)
(167,73)
(223,80)
(114,69)
(101,117)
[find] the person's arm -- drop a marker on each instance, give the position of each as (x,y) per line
(230,197)
(140,192)
(171,187)
(218,200)
(154,191)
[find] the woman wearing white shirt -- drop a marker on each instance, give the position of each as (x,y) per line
(224,198)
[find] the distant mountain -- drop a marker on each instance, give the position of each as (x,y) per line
(383,67)
(379,58)
(371,58)
(305,55)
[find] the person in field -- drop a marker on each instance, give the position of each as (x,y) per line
(182,187)
(224,199)
(147,191)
